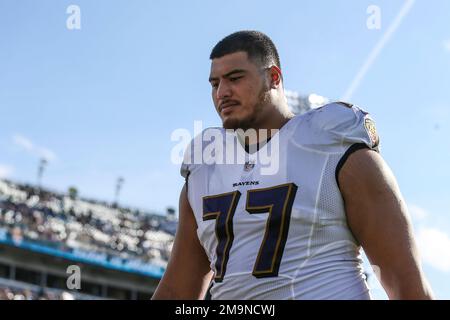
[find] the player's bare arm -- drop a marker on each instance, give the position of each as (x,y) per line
(378,218)
(188,273)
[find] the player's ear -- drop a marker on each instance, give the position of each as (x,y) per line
(275,77)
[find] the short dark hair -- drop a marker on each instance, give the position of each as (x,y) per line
(259,47)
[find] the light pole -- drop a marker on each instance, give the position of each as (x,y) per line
(42,165)
(119,185)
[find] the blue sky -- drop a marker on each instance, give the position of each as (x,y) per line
(102,101)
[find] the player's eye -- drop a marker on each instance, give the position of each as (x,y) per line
(214,85)
(234,79)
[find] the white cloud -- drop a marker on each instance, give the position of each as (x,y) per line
(446,44)
(34,149)
(5,171)
(23,142)
(434,247)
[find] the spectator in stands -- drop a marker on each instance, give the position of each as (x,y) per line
(39,215)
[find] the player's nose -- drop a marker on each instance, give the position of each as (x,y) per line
(223,91)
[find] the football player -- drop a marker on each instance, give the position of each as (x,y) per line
(296,232)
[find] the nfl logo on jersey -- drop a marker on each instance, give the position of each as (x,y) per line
(248,166)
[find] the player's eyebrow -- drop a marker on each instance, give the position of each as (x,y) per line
(232,72)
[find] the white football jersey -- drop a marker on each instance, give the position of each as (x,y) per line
(280,233)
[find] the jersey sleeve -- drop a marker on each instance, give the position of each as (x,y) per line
(195,155)
(199,157)
(344,125)
(348,128)
(189,164)
(189,159)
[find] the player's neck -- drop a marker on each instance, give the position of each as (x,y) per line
(275,120)
(265,130)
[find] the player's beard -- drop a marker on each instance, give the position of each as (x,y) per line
(251,120)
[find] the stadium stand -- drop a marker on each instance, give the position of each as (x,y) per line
(122,252)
